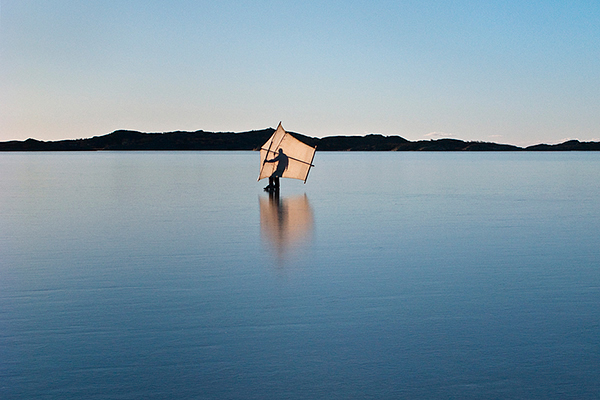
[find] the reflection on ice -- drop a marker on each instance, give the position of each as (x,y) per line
(285,223)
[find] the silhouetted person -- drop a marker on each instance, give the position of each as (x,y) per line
(282,163)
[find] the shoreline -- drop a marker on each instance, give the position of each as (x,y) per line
(124,140)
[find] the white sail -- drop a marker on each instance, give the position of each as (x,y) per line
(300,156)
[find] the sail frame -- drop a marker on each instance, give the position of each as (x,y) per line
(300,155)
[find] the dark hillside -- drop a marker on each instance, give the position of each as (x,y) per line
(252,140)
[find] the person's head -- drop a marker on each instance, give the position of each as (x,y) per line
(280,151)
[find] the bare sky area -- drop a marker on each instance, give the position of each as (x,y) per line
(509,72)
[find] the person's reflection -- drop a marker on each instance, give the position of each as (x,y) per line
(285,223)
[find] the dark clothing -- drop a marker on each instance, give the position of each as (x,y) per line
(282,163)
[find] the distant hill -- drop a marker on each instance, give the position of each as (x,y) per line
(566,146)
(252,140)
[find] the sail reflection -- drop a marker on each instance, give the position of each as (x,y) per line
(285,223)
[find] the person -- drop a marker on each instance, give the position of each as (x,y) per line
(282,161)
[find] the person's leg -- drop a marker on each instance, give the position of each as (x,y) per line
(271,184)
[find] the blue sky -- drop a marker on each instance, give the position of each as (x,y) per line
(519,72)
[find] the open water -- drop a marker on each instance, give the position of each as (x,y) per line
(172,275)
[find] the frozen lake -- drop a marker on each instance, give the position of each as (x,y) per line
(172,275)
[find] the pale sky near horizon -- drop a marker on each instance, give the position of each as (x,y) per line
(519,72)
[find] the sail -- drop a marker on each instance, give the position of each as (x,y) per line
(299,156)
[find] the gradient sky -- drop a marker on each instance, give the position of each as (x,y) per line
(519,72)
